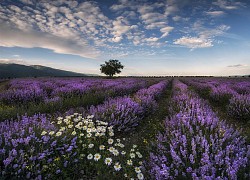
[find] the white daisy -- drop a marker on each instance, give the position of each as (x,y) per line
(59,133)
(51,132)
(132,155)
(70,126)
(97,157)
(140,176)
(123,152)
(91,145)
(116,152)
(43,133)
(59,118)
(111,149)
(110,141)
(101,147)
(108,161)
(90,156)
(89,135)
(137,169)
(117,166)
(130,162)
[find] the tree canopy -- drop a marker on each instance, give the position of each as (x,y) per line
(111,67)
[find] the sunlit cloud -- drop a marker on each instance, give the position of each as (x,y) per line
(194,42)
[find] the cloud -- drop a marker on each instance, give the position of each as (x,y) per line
(166,31)
(238,65)
(176,18)
(12,61)
(205,37)
(215,13)
(152,39)
(228,5)
(194,42)
(117,39)
(64,27)
(38,39)
(120,26)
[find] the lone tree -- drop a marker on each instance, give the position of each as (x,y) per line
(111,67)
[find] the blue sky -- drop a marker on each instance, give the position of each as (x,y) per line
(164,37)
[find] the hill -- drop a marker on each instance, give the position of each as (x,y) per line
(19,71)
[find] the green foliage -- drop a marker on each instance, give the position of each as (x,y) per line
(111,67)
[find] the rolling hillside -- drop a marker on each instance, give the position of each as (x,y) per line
(18,71)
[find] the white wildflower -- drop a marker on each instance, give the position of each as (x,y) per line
(130,162)
(117,166)
(51,132)
(97,157)
(70,126)
(90,156)
(137,169)
(140,176)
(101,147)
(91,145)
(59,133)
(116,152)
(43,133)
(132,155)
(110,141)
(108,161)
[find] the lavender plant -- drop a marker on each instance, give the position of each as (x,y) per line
(125,113)
(239,107)
(197,145)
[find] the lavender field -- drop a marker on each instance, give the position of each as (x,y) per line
(125,128)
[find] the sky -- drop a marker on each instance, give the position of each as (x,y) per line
(164,37)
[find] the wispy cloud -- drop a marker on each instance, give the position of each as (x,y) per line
(229,5)
(215,13)
(205,36)
(194,42)
(237,65)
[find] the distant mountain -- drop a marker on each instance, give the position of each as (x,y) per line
(18,71)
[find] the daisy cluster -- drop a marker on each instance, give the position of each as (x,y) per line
(73,147)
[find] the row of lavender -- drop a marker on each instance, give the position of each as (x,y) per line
(41,147)
(232,93)
(47,90)
(125,113)
(196,144)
